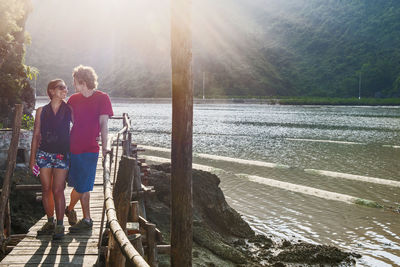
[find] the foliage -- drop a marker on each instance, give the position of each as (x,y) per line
(14,87)
(27,122)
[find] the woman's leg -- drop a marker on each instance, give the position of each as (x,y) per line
(59,176)
(47,194)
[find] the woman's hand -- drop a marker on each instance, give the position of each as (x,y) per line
(32,164)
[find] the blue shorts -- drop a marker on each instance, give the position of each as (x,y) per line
(52,160)
(82,171)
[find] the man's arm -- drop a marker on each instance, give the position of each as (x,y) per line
(104,133)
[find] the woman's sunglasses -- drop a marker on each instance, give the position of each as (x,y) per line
(61,87)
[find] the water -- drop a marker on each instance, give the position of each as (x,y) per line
(273,188)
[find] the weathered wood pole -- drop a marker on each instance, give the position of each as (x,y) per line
(182,127)
(151,245)
(122,198)
(11,160)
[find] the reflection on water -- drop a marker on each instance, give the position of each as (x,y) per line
(351,141)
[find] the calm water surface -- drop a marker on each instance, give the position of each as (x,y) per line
(362,141)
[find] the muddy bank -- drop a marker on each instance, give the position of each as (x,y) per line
(222,238)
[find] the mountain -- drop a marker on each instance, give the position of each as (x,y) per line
(241,48)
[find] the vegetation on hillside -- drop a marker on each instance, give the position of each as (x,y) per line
(314,48)
(332,45)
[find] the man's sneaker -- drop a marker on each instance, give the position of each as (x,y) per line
(81,226)
(58,232)
(47,229)
(71,215)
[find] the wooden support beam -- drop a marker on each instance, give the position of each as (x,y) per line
(143,222)
(182,128)
(28,187)
(164,249)
(10,165)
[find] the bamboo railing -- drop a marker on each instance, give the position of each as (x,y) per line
(120,248)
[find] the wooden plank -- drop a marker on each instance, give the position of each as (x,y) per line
(78,249)
(55,249)
(81,260)
(37,244)
(28,187)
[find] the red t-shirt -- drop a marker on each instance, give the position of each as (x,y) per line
(86,127)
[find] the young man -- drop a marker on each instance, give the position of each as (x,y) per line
(91,109)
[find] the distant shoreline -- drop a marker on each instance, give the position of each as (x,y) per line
(195,100)
(269,101)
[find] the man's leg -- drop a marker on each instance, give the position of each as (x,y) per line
(86,223)
(69,211)
(85,203)
(75,197)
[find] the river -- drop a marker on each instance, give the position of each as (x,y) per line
(295,172)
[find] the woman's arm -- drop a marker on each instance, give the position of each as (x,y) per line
(35,139)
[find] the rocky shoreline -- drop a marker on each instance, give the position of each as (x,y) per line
(222,238)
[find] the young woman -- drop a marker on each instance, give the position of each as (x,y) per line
(50,151)
(91,109)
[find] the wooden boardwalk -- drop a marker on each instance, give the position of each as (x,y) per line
(73,249)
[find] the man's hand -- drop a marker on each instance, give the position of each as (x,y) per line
(104,133)
(104,151)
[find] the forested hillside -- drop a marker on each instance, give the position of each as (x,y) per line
(241,48)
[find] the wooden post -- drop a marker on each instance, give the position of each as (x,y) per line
(137,240)
(7,220)
(134,211)
(122,197)
(182,128)
(151,245)
(11,160)
(137,186)
(129,144)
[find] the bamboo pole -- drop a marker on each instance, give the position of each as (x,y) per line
(182,127)
(11,160)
